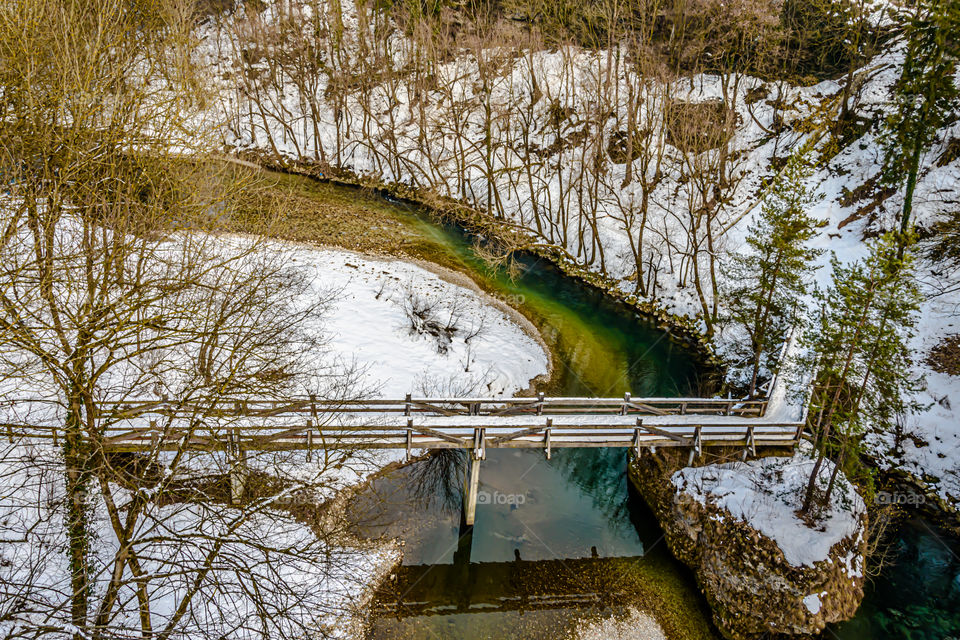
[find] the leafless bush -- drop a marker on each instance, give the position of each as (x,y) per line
(439,316)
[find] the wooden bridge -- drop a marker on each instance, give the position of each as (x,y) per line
(475,424)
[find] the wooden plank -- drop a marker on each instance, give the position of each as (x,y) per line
(441,435)
(660,432)
(516,434)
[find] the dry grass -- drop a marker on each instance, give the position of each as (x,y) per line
(300,209)
(695,127)
(945,357)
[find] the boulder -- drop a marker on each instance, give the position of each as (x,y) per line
(763,569)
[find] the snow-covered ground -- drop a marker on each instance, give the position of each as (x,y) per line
(766,494)
(930,449)
(485,354)
(313,582)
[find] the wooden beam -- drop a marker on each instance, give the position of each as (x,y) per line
(471,486)
(660,432)
(546,438)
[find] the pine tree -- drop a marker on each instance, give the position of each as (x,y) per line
(771,277)
(859,356)
(925,96)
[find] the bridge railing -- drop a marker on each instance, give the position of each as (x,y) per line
(472,406)
(439,422)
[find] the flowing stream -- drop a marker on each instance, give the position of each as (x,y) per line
(562,541)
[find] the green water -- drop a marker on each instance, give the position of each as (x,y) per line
(561,540)
(603,348)
(917,595)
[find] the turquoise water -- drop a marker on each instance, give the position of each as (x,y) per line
(568,541)
(917,595)
(559,540)
(605,348)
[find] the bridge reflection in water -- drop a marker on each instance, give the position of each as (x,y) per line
(580,544)
(518,585)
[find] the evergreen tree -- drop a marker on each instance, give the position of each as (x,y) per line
(925,96)
(859,356)
(771,277)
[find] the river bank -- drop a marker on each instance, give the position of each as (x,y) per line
(474,224)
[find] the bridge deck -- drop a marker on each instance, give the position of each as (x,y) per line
(433,423)
(475,424)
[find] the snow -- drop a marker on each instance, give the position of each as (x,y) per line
(311,581)
(636,625)
(931,450)
(812,603)
(766,494)
(369,325)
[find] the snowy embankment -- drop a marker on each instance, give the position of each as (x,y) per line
(929,447)
(311,580)
(411,331)
(767,493)
(762,567)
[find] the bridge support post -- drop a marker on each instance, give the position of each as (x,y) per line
(471,482)
(697,444)
(471,485)
(238,476)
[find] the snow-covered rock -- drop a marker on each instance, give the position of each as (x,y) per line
(763,568)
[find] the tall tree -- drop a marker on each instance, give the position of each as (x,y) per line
(771,276)
(925,97)
(858,355)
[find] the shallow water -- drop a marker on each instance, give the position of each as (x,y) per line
(556,541)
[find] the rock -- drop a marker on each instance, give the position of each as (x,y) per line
(762,569)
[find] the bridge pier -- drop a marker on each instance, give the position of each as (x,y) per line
(471,482)
(238,470)
(471,485)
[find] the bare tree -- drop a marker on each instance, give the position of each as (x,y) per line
(117,287)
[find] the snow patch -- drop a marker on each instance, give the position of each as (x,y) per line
(767,493)
(812,603)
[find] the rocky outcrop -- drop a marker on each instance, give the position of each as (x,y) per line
(763,569)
